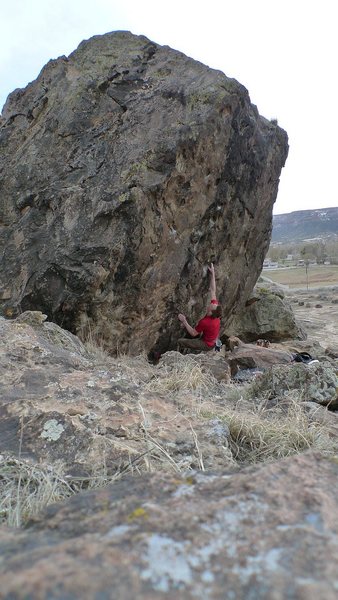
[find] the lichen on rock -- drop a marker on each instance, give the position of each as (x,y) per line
(52,430)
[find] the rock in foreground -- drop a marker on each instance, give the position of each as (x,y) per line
(60,406)
(267,532)
(126,168)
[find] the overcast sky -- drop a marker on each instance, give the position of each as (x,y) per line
(284,52)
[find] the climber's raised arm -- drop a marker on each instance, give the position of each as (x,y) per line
(212,287)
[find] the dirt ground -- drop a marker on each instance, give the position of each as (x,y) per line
(318,316)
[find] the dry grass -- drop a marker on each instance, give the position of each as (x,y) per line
(185,375)
(97,352)
(187,385)
(257,433)
(25,489)
(263,435)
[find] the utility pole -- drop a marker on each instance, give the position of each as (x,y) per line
(307,262)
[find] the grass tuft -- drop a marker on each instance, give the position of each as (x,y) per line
(184,376)
(25,489)
(263,435)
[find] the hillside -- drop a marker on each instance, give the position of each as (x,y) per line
(305,224)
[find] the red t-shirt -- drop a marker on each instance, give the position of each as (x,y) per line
(210,328)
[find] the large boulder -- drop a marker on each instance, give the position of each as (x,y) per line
(125,168)
(267,314)
(269,531)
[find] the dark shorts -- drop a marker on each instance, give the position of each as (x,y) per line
(194,344)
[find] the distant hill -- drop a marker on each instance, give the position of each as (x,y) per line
(305,224)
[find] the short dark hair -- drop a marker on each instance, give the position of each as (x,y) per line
(217,312)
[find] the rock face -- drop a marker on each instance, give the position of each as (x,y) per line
(267,532)
(125,169)
(316,382)
(269,316)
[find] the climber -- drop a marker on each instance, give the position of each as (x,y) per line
(209,326)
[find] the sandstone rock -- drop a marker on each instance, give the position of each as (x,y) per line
(266,532)
(316,382)
(125,168)
(271,317)
(249,356)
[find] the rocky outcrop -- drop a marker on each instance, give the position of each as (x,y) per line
(315,382)
(99,416)
(267,532)
(125,168)
(269,315)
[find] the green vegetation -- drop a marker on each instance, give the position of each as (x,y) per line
(318,251)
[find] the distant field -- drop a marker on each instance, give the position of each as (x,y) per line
(295,277)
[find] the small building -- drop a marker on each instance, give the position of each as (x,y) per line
(269,264)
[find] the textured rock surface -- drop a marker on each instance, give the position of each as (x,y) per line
(267,532)
(332,351)
(317,382)
(58,404)
(249,356)
(270,316)
(125,168)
